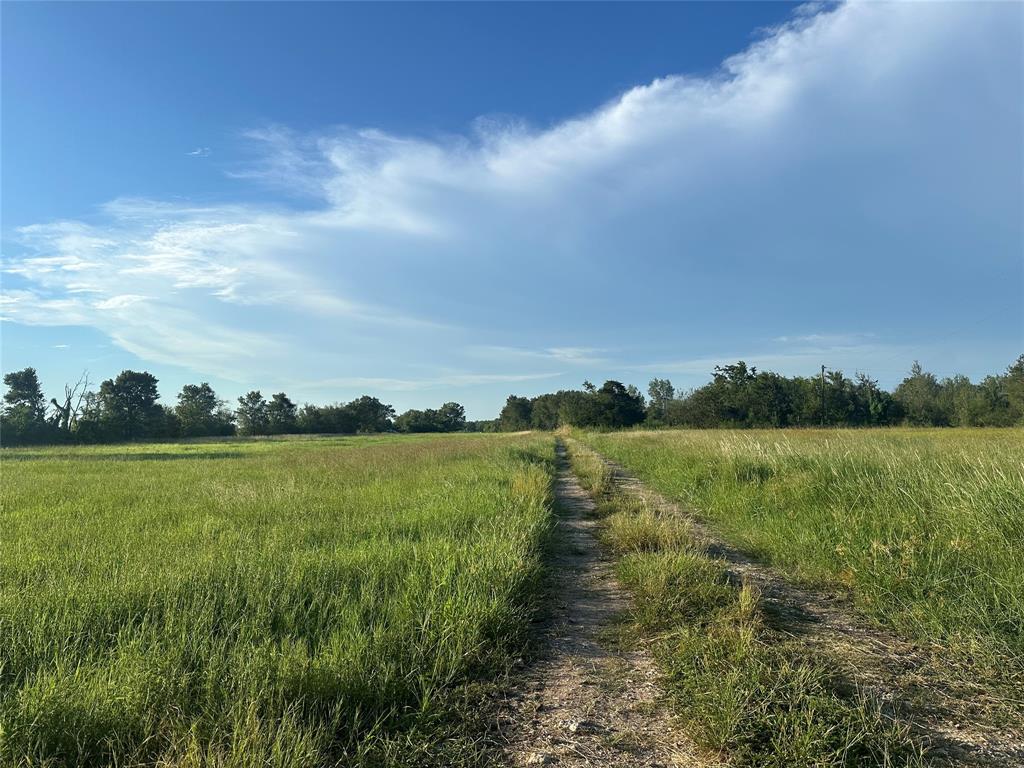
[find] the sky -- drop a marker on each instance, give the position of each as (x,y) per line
(432,202)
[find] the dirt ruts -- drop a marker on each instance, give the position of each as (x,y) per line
(894,670)
(588,701)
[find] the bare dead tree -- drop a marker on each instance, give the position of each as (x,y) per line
(66,416)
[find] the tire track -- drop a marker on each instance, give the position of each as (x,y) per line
(587,701)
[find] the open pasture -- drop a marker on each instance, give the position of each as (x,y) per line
(923,527)
(285,603)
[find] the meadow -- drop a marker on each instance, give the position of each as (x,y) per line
(920,529)
(923,528)
(749,694)
(364,601)
(278,603)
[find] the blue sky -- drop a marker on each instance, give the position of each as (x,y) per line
(450,201)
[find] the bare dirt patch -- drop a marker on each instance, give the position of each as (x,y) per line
(588,700)
(908,677)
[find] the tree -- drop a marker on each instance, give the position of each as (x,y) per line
(23,417)
(918,393)
(253,418)
(768,400)
(877,407)
(452,417)
(326,419)
(661,393)
(620,406)
(416,421)
(545,411)
(963,401)
(65,415)
(515,416)
(24,393)
(1014,388)
(128,407)
(371,415)
(200,412)
(579,409)
(282,415)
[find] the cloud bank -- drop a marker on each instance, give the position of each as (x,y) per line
(858,167)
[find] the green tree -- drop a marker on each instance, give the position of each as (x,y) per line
(619,406)
(23,418)
(1014,388)
(200,412)
(452,417)
(661,393)
(876,407)
(963,401)
(326,419)
(371,415)
(516,415)
(416,421)
(919,394)
(252,414)
(128,406)
(545,411)
(768,400)
(579,409)
(282,415)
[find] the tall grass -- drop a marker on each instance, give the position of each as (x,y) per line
(924,528)
(285,603)
(750,695)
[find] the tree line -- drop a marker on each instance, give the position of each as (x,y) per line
(740,396)
(127,408)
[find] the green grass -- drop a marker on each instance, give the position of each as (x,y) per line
(275,603)
(748,694)
(923,528)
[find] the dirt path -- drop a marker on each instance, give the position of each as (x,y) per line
(896,671)
(586,701)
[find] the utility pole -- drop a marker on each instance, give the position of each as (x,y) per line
(824,413)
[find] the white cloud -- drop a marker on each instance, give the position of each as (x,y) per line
(828,339)
(119,302)
(447,381)
(569,355)
(199,152)
(867,139)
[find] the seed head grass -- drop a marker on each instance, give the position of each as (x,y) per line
(278,603)
(924,528)
(749,694)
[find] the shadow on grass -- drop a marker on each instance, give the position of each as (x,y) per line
(143,456)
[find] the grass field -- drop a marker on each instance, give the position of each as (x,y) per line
(749,694)
(277,603)
(356,601)
(924,528)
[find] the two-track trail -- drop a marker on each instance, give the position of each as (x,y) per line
(904,674)
(587,701)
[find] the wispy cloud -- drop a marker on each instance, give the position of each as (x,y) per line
(826,339)
(199,152)
(567,355)
(447,381)
(851,143)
